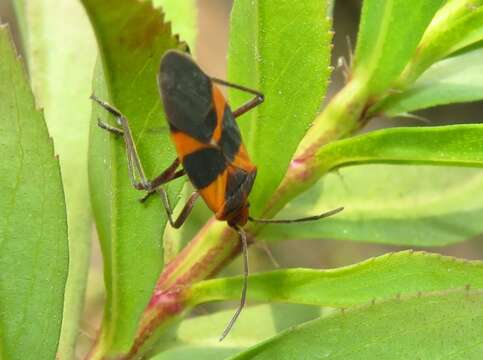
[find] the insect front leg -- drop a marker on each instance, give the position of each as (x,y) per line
(112,129)
(257,100)
(135,167)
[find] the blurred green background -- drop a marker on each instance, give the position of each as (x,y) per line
(213,20)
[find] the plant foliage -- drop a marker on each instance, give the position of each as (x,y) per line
(409,186)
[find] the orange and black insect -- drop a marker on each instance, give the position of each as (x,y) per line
(209,147)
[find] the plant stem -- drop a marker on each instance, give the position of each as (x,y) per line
(342,117)
(214,246)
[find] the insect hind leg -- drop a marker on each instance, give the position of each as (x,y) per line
(184,213)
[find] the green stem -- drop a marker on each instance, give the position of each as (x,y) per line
(213,246)
(344,115)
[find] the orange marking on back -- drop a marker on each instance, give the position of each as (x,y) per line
(185,144)
(242,161)
(214,194)
(219,103)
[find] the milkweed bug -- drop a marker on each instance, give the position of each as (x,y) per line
(209,148)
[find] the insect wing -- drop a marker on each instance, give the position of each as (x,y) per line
(187,96)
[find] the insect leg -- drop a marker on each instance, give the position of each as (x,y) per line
(166,176)
(184,213)
(136,170)
(304,219)
(135,167)
(111,129)
(155,187)
(257,100)
(243,239)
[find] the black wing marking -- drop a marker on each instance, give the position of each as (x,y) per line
(230,139)
(187,96)
(238,187)
(204,166)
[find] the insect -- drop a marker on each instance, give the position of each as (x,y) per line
(209,148)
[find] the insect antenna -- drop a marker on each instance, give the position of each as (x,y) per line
(304,219)
(243,239)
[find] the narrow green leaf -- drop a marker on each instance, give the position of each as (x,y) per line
(287,315)
(458,24)
(199,337)
(356,284)
(435,326)
(453,80)
(282,49)
(437,145)
(54,33)
(183,16)
(389,33)
(33,225)
(198,353)
(405,205)
(391,204)
(131,40)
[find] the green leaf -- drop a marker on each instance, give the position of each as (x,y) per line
(53,35)
(33,225)
(199,337)
(453,80)
(198,353)
(183,16)
(287,315)
(282,49)
(405,205)
(436,326)
(356,284)
(390,204)
(437,145)
(131,40)
(389,33)
(458,24)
